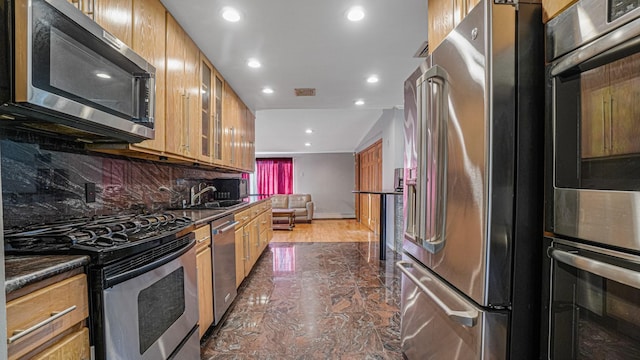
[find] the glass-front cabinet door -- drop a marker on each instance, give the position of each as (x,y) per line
(206,111)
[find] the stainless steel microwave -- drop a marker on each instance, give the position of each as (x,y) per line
(62,73)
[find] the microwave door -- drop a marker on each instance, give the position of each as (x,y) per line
(80,75)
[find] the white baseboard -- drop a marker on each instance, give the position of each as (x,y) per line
(333,216)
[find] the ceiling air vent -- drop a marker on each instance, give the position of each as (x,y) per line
(305,91)
(423,50)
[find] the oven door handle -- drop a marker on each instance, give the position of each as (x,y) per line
(122,277)
(612,272)
(467,317)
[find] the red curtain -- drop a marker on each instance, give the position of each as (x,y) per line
(274,176)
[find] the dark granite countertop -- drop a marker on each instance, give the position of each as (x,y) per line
(21,271)
(205,216)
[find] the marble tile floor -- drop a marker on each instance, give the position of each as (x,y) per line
(314,301)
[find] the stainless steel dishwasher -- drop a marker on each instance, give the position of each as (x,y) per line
(224,265)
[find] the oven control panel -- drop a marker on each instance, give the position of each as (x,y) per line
(618,8)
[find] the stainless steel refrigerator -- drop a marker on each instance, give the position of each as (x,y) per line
(473,216)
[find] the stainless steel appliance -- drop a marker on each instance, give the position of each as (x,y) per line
(224,263)
(593,91)
(62,73)
(142,280)
(594,302)
(230,188)
(593,161)
(472,246)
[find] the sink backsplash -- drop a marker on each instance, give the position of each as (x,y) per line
(43,182)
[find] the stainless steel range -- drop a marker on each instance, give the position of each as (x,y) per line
(142,280)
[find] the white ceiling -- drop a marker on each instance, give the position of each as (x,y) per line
(310,43)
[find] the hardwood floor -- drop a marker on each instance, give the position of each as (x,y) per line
(326,231)
(317,292)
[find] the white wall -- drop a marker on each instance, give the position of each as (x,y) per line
(329,178)
(389,128)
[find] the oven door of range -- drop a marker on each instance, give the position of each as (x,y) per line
(148,316)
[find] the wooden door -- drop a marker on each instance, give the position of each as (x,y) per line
(370,179)
(149,20)
(176,97)
(116,16)
(205,289)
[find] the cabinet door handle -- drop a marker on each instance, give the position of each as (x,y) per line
(184,117)
(188,139)
(18,334)
(604,120)
(610,122)
(203,239)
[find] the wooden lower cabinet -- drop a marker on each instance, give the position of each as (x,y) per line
(240,256)
(253,234)
(74,346)
(204,268)
(205,289)
(68,296)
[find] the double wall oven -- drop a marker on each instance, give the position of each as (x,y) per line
(593,189)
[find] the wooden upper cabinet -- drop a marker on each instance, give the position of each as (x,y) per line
(116,16)
(207,78)
(440,16)
(192,88)
(443,16)
(149,20)
(176,96)
(182,92)
(551,8)
(218,127)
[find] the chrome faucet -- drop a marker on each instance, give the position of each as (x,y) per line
(195,196)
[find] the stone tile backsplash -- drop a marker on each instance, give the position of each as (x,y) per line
(43,183)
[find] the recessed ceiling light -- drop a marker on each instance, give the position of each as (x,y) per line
(359,102)
(253,63)
(230,14)
(307,144)
(356,13)
(372,79)
(103,76)
(309,131)
(267,90)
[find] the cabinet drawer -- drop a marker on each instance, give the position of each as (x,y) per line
(74,346)
(242,217)
(55,308)
(203,237)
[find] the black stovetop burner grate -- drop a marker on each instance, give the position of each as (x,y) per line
(96,233)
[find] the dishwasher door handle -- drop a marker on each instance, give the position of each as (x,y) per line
(224,227)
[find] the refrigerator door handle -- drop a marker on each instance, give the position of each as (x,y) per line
(438,152)
(609,271)
(467,317)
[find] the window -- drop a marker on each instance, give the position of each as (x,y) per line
(274,176)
